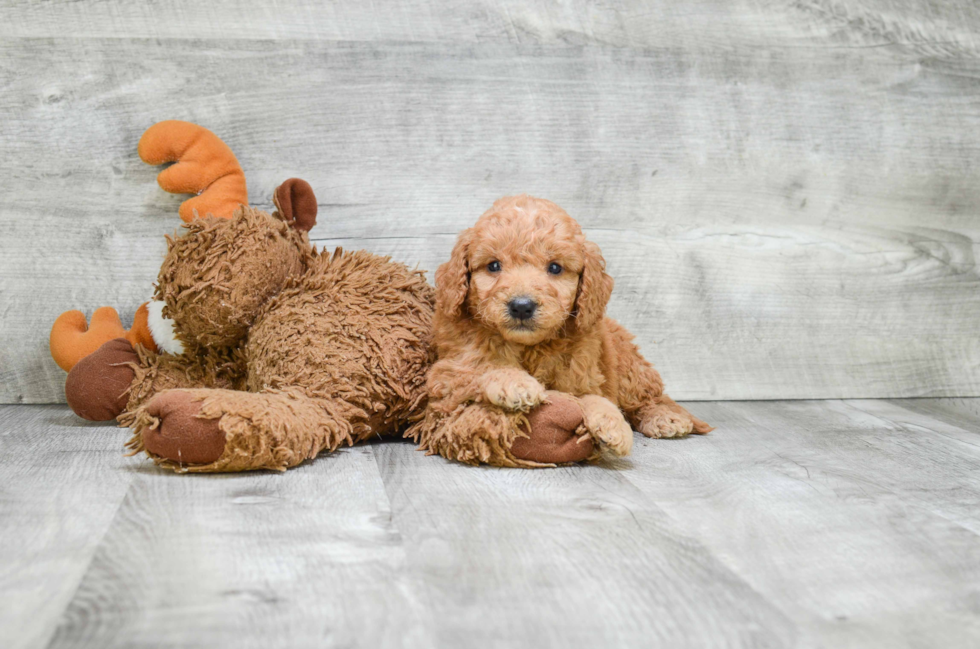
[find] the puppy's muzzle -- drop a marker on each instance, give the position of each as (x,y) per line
(522,308)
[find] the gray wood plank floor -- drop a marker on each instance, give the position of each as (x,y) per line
(796,524)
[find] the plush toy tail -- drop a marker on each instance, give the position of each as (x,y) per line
(205,166)
(72,339)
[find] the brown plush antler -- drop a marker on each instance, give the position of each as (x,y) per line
(205,166)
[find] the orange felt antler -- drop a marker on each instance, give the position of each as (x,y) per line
(72,339)
(205,166)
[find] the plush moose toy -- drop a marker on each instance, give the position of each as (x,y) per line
(258,351)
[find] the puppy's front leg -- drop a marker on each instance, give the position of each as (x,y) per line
(606,424)
(512,388)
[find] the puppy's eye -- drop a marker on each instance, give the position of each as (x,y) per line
(554,268)
(493,267)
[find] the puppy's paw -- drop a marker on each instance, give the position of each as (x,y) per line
(607,425)
(514,391)
(664,422)
(613,433)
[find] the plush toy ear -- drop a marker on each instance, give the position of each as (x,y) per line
(296,204)
(453,277)
(205,166)
(594,289)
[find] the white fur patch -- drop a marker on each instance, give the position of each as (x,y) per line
(162,329)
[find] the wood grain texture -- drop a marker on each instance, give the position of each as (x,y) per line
(958,412)
(308,558)
(938,27)
(795,524)
(857,518)
(786,192)
(61,482)
(574,555)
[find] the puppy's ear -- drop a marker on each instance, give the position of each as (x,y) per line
(594,289)
(453,277)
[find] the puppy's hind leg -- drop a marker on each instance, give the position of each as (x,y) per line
(663,417)
(641,393)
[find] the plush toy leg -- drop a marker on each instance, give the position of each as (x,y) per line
(662,417)
(227,430)
(155,373)
(117,378)
(97,387)
(553,433)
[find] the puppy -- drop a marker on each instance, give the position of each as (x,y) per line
(520,309)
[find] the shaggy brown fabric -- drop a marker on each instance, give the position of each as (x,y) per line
(268,430)
(182,435)
(97,386)
(296,203)
(331,352)
(158,372)
(354,329)
(217,276)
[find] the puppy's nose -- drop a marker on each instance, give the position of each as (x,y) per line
(522,308)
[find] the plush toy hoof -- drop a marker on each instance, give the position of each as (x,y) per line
(552,438)
(182,436)
(97,386)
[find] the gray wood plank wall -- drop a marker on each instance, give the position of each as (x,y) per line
(786,192)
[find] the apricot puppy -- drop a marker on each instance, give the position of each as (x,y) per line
(520,310)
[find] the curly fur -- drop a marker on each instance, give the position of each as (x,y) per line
(496,364)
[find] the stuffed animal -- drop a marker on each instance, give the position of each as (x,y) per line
(258,351)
